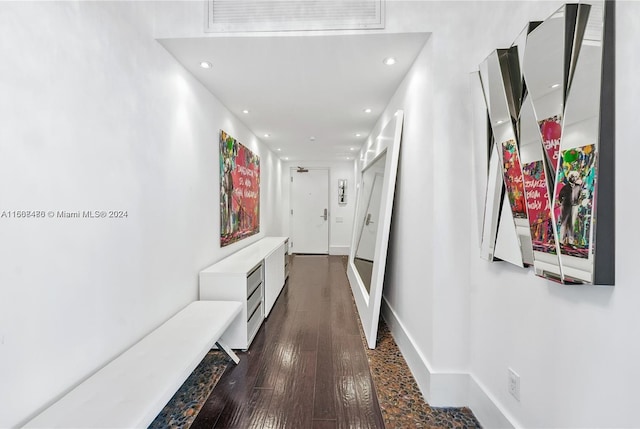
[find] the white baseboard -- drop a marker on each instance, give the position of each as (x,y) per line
(339,250)
(486,409)
(445,389)
(417,363)
(449,389)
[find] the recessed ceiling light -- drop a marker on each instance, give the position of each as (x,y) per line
(286,158)
(267,135)
(205,65)
(358,134)
(389,61)
(352,148)
(312,138)
(555,85)
(348,158)
(245,111)
(367,110)
(278,149)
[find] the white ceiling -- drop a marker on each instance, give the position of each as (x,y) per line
(296,87)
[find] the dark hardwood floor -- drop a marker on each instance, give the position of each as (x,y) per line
(306,367)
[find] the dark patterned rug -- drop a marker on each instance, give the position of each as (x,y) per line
(183,408)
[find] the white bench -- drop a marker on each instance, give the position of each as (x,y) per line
(131,390)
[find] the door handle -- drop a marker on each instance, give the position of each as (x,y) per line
(368,220)
(324,215)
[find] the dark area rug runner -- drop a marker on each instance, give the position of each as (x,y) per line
(184,406)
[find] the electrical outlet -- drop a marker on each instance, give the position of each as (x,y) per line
(513,384)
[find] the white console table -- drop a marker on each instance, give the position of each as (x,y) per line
(254,276)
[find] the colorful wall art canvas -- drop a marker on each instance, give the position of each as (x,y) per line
(538,207)
(239,191)
(573,202)
(551,131)
(512,173)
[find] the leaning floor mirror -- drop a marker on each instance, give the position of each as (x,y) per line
(376,186)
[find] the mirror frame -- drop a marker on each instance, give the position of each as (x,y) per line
(368,304)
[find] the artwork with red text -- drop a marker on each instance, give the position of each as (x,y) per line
(512,173)
(538,207)
(551,131)
(573,202)
(239,191)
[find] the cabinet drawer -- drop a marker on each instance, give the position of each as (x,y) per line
(254,279)
(254,301)
(254,323)
(286,253)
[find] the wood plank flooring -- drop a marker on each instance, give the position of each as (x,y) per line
(307,366)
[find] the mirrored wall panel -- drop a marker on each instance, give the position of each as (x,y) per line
(576,179)
(550,103)
(499,75)
(369,219)
(537,186)
(492,206)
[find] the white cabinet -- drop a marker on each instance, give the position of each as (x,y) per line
(274,268)
(254,276)
(287,258)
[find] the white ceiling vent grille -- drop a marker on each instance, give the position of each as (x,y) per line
(293,15)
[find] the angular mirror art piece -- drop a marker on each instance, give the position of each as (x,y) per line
(374,204)
(576,179)
(492,206)
(538,195)
(550,103)
(499,75)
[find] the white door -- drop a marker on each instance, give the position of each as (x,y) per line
(310,211)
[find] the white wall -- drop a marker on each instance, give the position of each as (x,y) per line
(339,232)
(461,321)
(427,287)
(96,115)
(572,346)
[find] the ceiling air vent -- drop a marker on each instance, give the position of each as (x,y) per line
(293,15)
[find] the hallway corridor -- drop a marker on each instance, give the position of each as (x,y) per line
(307,366)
